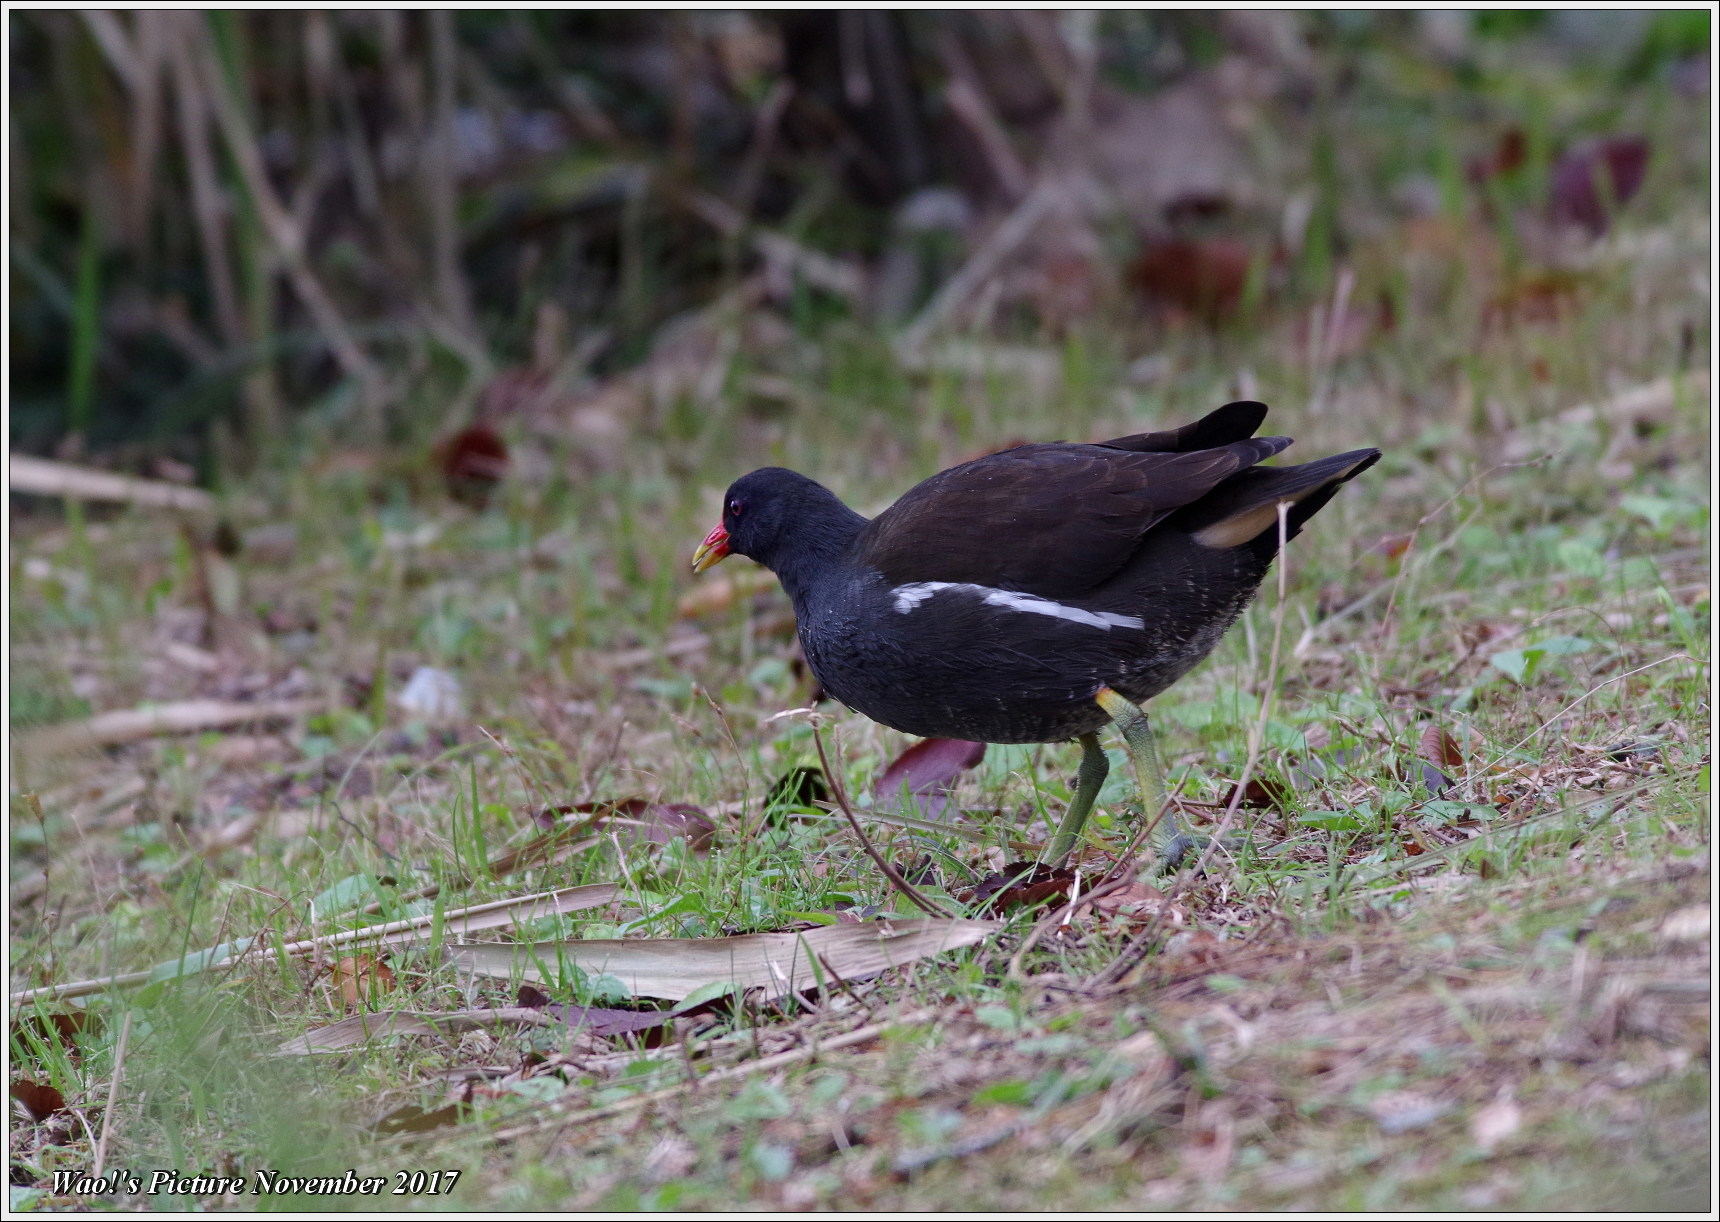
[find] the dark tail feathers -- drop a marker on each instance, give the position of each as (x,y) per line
(1244,508)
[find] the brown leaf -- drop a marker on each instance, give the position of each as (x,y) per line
(413,1119)
(633,821)
(1507,157)
(1139,897)
(1202,276)
(39,1099)
(1439,747)
(1391,546)
(358,978)
(926,771)
(61,1027)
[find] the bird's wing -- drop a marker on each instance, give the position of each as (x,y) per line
(1053,519)
(1232,422)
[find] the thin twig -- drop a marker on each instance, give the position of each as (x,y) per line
(890,872)
(113,1093)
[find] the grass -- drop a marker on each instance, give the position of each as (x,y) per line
(1486,992)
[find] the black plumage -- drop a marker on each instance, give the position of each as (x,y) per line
(994,600)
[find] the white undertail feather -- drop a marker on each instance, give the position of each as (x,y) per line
(908,597)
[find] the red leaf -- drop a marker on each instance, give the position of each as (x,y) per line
(926,771)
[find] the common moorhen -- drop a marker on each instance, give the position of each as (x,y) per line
(1035,593)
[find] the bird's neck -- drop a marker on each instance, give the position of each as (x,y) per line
(818,550)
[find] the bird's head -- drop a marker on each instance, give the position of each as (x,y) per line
(766,509)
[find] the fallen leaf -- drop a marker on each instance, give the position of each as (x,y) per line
(40,1100)
(132,725)
(923,774)
(1261,793)
(1497,1121)
(1687,924)
(713,595)
(413,1119)
(776,963)
(362,1029)
(1592,180)
(1437,746)
(1391,546)
(57,1027)
(1399,1111)
(1018,884)
(358,978)
(609,1022)
(473,462)
(1205,277)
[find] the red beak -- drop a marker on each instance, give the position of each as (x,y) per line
(712,550)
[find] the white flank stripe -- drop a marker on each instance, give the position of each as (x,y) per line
(910,596)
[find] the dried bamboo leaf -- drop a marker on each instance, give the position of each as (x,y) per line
(776,963)
(45,477)
(132,725)
(363,1028)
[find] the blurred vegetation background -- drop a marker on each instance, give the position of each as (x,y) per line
(393,224)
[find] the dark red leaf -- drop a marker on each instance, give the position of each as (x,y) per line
(1595,178)
(1260,794)
(40,1100)
(1020,883)
(532,998)
(925,771)
(473,462)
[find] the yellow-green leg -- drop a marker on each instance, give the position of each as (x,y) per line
(1170,843)
(1088,781)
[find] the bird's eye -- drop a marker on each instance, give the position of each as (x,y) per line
(735,508)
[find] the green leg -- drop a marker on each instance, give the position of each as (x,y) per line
(1170,843)
(1143,747)
(1094,767)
